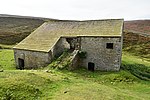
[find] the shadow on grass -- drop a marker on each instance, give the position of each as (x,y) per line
(139,70)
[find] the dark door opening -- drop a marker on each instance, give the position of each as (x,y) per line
(71,43)
(21,63)
(91,66)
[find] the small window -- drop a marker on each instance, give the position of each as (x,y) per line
(109,45)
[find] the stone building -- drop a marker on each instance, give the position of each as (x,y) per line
(100,39)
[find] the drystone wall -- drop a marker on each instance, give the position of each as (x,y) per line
(97,52)
(32,59)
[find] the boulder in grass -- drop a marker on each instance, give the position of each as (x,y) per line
(1,70)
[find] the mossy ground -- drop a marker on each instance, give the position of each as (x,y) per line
(79,84)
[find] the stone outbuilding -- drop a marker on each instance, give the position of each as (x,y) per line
(100,39)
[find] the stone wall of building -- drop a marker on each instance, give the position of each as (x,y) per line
(75,60)
(32,59)
(103,58)
(59,47)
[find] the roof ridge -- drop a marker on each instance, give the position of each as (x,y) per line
(88,20)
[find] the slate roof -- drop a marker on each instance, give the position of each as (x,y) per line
(44,37)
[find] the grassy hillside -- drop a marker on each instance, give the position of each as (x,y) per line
(137,38)
(142,50)
(76,85)
(81,84)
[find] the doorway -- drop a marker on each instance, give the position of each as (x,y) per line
(91,66)
(21,63)
(71,42)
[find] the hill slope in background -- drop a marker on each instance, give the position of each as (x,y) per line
(30,17)
(137,38)
(142,26)
(13,30)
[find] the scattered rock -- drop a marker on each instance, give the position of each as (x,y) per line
(1,70)
(47,71)
(66,78)
(65,92)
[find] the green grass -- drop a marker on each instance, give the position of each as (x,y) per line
(7,59)
(141,50)
(132,59)
(26,85)
(138,66)
(76,85)
(48,83)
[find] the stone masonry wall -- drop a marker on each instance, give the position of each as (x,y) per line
(75,60)
(59,47)
(103,58)
(32,59)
